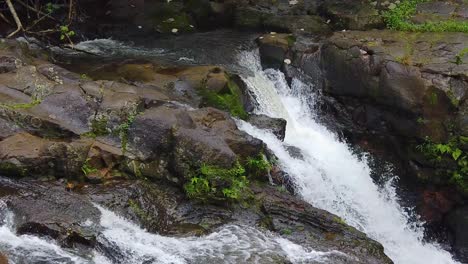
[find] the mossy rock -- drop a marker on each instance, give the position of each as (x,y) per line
(10,169)
(228,99)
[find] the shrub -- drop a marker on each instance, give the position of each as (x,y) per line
(451,158)
(219,184)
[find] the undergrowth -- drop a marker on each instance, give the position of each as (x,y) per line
(398,19)
(450,158)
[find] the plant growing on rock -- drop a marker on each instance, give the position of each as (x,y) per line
(398,19)
(218,184)
(451,157)
(258,166)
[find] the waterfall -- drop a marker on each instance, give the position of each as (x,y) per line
(330,176)
(121,241)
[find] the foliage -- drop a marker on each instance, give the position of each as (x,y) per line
(213,182)
(98,128)
(230,101)
(122,129)
(21,105)
(398,17)
(87,169)
(258,166)
(450,156)
(51,7)
(460,55)
(66,33)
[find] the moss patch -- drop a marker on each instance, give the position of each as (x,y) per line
(10,169)
(230,100)
(398,19)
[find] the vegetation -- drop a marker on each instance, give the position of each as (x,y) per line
(87,169)
(450,159)
(229,100)
(258,166)
(460,55)
(398,19)
(213,182)
(98,128)
(21,105)
(122,129)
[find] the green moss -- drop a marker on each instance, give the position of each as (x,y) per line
(398,19)
(339,220)
(291,40)
(98,128)
(10,169)
(218,184)
(138,211)
(286,231)
(230,101)
(21,105)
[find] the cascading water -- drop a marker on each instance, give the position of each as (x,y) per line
(329,176)
(121,241)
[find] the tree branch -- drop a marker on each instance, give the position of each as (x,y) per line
(15,17)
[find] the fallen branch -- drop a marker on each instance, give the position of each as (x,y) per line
(15,17)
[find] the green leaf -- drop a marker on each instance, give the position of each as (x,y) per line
(456,154)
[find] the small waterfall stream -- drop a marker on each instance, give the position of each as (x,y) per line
(330,176)
(121,241)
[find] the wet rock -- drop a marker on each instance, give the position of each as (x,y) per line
(352,15)
(274,49)
(306,225)
(457,221)
(46,209)
(3,259)
(160,208)
(382,68)
(276,125)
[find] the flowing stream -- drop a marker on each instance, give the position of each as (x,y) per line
(121,241)
(329,175)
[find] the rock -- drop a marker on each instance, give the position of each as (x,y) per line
(306,225)
(48,210)
(26,155)
(397,76)
(354,15)
(274,49)
(160,208)
(276,125)
(3,259)
(457,221)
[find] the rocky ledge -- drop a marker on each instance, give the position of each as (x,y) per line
(402,97)
(145,142)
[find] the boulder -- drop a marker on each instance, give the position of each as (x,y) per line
(407,74)
(48,210)
(274,49)
(276,125)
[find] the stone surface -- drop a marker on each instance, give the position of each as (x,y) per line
(457,221)
(276,125)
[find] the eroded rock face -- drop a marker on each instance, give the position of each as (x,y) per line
(456,221)
(59,124)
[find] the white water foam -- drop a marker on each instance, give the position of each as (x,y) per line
(110,47)
(330,176)
(124,242)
